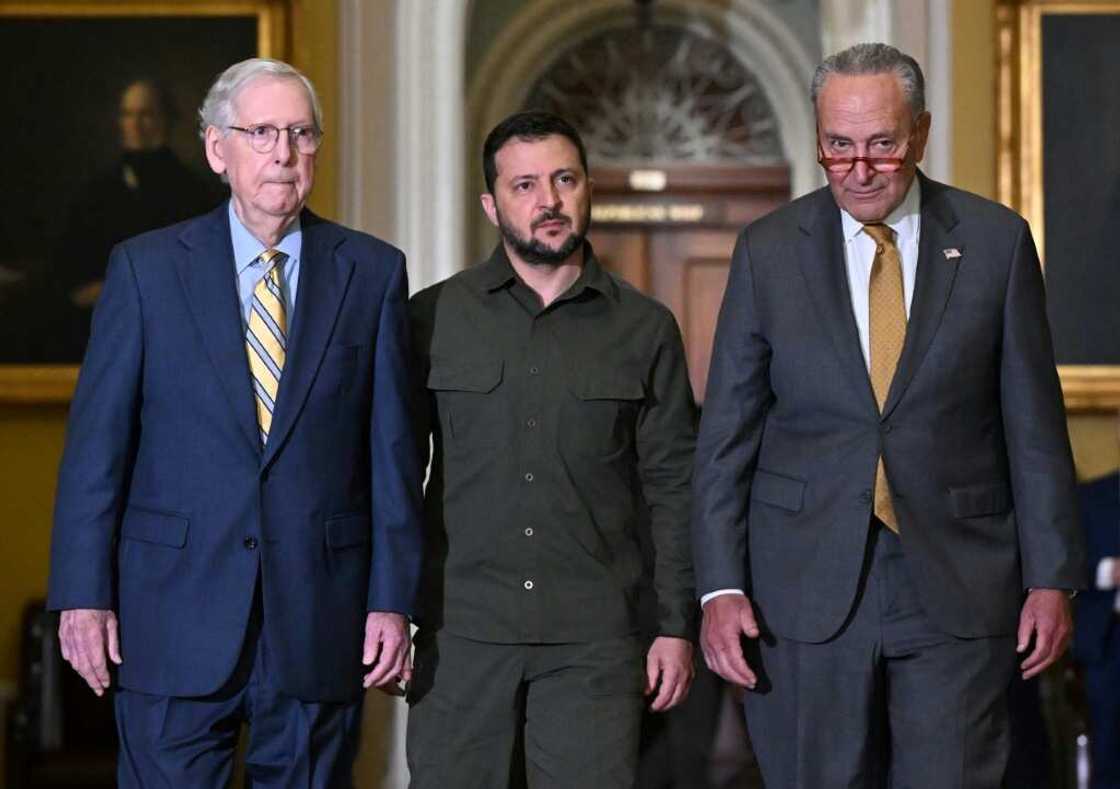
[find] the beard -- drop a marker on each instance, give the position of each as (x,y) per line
(537,253)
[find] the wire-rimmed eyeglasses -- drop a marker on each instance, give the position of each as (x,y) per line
(264,136)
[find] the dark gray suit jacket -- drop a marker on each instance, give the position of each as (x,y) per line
(973,431)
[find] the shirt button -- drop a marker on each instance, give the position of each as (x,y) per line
(528,584)
(530,423)
(250,543)
(534,370)
(529,477)
(879,249)
(529,531)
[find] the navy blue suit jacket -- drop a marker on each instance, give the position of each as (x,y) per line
(167,507)
(1094,620)
(973,431)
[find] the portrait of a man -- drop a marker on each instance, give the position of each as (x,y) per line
(106,148)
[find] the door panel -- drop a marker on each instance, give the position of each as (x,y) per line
(682,259)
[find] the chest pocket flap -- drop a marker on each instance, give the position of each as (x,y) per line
(481,377)
(605,408)
(468,413)
(614,385)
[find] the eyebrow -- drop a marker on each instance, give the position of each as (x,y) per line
(553,174)
(873,136)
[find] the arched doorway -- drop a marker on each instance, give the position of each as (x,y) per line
(685,148)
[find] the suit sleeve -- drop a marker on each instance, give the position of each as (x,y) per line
(1043,485)
(102,434)
(737,400)
(666,439)
(395,464)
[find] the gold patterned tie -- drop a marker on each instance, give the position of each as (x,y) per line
(266,339)
(887,329)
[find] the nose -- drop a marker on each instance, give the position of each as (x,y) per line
(550,196)
(284,152)
(863,173)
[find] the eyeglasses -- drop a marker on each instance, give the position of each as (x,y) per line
(263,137)
(842,165)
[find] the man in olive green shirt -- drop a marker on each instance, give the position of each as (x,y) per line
(562,428)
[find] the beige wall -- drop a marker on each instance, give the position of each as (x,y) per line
(974,96)
(30,444)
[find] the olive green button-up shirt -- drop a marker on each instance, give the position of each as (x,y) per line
(562,437)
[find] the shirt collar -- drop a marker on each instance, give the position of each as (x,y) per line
(247,248)
(903,220)
(497,273)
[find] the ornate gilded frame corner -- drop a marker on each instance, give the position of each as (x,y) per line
(1019,171)
(28,384)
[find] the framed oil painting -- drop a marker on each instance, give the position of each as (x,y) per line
(1059,165)
(102,144)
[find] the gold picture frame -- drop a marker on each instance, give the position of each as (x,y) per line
(260,27)
(1019,171)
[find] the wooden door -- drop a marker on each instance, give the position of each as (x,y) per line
(670,233)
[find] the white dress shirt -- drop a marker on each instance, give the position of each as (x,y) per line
(1105,580)
(859,254)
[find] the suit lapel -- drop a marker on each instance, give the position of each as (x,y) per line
(932,287)
(323,279)
(209,280)
(821,255)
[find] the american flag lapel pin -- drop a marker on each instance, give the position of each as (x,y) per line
(952,253)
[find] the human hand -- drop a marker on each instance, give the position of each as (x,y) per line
(669,671)
(727,619)
(85,636)
(387,651)
(1046,614)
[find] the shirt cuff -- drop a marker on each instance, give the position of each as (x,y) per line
(718,593)
(1070,593)
(1104,573)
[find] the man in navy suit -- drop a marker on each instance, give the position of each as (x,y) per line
(237,518)
(1096,636)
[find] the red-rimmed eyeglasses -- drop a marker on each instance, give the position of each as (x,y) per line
(842,165)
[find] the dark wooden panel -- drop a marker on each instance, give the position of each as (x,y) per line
(653,243)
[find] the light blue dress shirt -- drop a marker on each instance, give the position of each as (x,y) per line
(247,248)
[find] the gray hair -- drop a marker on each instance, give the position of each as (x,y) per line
(217,108)
(875,59)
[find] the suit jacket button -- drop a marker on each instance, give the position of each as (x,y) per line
(251,543)
(865,496)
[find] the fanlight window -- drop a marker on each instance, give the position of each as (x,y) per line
(658,94)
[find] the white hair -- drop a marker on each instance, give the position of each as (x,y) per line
(217,108)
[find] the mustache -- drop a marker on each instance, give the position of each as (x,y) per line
(550,216)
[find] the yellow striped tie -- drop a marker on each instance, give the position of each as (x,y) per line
(266,339)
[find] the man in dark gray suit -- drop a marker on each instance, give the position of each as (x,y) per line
(884,495)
